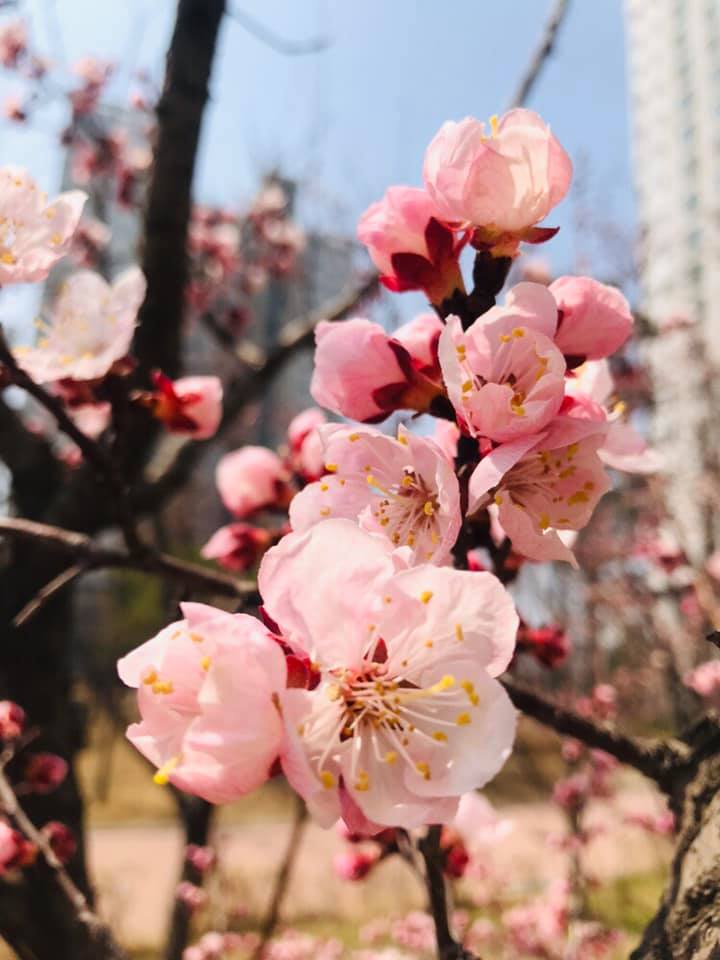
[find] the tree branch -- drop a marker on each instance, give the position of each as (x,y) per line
(76,899)
(660,760)
(282,878)
(90,556)
(542,53)
(93,453)
(447,946)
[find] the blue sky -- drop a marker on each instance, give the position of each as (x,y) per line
(355,118)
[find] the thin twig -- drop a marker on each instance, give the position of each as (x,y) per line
(282,878)
(97,929)
(47,592)
(273,40)
(541,55)
(660,760)
(90,556)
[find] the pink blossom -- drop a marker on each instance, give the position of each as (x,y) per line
(543,484)
(13,42)
(662,824)
(420,337)
(406,717)
(588,391)
(446,436)
(306,449)
(44,772)
(251,479)
(190,405)
(353,864)
(14,108)
(15,850)
(61,839)
(91,418)
(409,246)
(595,320)
(364,374)
(502,181)
(549,645)
(91,327)
(237,546)
(504,375)
(704,679)
(34,234)
(192,896)
(478,823)
(12,720)
(404,489)
(202,858)
(207,689)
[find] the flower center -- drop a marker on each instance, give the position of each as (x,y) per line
(407,509)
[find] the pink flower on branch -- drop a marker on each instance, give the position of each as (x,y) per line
(543,484)
(404,489)
(410,247)
(504,375)
(190,405)
(363,373)
(500,181)
(207,692)
(407,716)
(13,42)
(34,234)
(237,546)
(588,392)
(595,319)
(251,479)
(90,328)
(305,446)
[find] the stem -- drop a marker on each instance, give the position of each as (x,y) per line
(447,946)
(282,878)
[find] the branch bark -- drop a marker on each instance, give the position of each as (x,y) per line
(660,760)
(87,555)
(180,113)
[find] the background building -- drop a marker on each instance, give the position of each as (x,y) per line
(674,77)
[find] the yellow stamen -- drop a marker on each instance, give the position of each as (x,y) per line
(426,596)
(162,776)
(463,719)
(327,779)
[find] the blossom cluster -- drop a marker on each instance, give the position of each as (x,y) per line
(372,679)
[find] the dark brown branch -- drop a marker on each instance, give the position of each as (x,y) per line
(541,55)
(90,556)
(660,760)
(47,592)
(180,112)
(282,878)
(447,946)
(30,459)
(93,453)
(296,335)
(98,931)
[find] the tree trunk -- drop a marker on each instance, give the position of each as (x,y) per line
(36,665)
(687,924)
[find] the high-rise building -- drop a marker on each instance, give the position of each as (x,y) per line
(674,76)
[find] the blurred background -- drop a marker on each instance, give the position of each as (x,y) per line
(314,109)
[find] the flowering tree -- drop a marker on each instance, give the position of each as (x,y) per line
(370,661)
